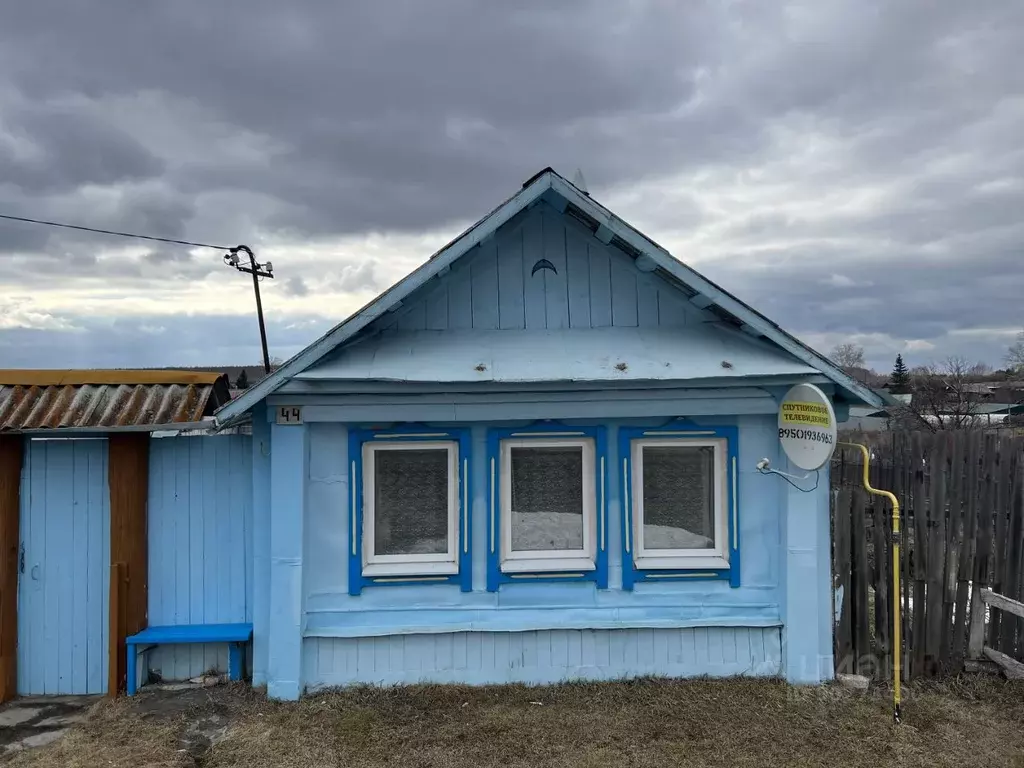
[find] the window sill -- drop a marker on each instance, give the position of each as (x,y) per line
(680,563)
(372,570)
(548,565)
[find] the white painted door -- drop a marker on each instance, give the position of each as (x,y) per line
(64,568)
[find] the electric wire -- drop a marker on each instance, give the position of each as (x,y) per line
(817,477)
(171,240)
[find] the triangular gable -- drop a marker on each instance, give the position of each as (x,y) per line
(566,198)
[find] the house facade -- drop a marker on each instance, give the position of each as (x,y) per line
(534,459)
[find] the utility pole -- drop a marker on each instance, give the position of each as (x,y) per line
(257,271)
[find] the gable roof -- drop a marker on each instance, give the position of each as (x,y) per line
(608,228)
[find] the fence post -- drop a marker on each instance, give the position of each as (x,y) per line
(976,640)
(116,609)
(844,651)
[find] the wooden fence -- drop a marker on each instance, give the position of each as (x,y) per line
(962,496)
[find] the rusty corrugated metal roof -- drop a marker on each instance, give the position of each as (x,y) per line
(56,377)
(107,401)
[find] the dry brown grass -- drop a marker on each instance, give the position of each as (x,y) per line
(970,721)
(112,737)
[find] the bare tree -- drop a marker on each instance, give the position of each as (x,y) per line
(1015,354)
(848,355)
(945,396)
(979,370)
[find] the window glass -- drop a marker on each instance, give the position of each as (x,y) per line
(547,498)
(410,502)
(678,497)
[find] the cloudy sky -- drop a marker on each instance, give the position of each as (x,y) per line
(853,169)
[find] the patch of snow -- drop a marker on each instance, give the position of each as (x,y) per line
(670,537)
(539,531)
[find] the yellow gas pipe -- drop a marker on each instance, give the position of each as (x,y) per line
(896,639)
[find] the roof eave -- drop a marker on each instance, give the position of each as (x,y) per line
(532,190)
(444,258)
(716,295)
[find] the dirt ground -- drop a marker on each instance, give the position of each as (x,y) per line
(969,721)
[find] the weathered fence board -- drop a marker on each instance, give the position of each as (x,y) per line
(841,537)
(977,650)
(962,500)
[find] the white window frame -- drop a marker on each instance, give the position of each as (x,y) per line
(652,559)
(410,565)
(554,559)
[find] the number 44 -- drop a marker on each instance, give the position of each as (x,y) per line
(289,414)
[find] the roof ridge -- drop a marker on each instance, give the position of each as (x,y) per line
(608,228)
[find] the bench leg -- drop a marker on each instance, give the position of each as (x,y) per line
(234,661)
(133,658)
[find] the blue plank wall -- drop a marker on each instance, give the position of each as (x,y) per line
(200,543)
(534,631)
(397,634)
(596,285)
(63,593)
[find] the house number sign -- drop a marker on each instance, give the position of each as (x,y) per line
(289,414)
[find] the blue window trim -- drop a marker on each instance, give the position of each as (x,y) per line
(682,430)
(408,433)
(602,470)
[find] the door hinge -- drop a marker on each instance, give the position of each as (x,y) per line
(21,559)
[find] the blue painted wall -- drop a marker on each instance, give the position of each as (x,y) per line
(261,442)
(782,596)
(596,285)
(289,462)
(432,610)
(63,593)
(543,657)
(200,543)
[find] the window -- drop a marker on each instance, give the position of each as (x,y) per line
(410,508)
(679,489)
(410,491)
(680,511)
(547,504)
(546,493)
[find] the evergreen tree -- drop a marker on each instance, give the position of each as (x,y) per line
(242,382)
(899,381)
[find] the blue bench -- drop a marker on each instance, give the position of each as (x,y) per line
(235,635)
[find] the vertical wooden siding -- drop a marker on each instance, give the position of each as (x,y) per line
(596,285)
(200,543)
(547,656)
(128,469)
(10,493)
(62,615)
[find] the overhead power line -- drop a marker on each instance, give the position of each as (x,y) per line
(113,232)
(231,258)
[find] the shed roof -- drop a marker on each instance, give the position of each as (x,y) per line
(63,401)
(648,257)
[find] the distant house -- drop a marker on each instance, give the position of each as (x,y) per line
(533,459)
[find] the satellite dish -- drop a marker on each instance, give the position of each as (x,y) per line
(807,427)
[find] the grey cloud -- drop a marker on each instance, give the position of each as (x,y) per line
(375,105)
(311,120)
(146,341)
(65,149)
(296,286)
(356,277)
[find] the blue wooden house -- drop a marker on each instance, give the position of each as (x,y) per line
(534,459)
